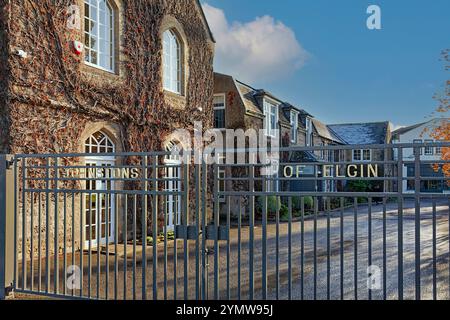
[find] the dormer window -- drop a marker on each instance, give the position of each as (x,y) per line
(309,132)
(294,126)
(271,118)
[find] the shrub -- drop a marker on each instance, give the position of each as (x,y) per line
(284,212)
(273,203)
(297,204)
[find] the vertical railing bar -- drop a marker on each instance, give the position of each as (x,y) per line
(316,208)
(125,246)
(90,241)
(108,209)
(328,209)
(302,253)
(264,241)
(341,265)
(165,246)
(155,228)
(65,242)
(175,260)
(197,222)
(73,237)
(56,213)
(134,244)
(32,240)
(355,232)
(204,222)
(400,222)
(417,187)
(290,249)
(116,240)
(277,250)
(98,223)
(16,245)
(228,247)
(369,249)
(144,226)
(82,240)
(47,224)
(16,225)
(434,252)
(239,249)
(384,250)
(24,226)
(216,236)
(185,222)
(39,244)
(251,233)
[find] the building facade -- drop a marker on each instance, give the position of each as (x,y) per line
(421,133)
(101,76)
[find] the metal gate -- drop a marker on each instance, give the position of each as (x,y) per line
(310,230)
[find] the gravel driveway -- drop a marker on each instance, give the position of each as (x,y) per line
(310,273)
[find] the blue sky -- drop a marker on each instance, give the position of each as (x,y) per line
(319,54)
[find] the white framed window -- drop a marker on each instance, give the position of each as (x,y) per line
(294,126)
(219,111)
(309,132)
(429,151)
(172,63)
(419,141)
(273,182)
(99,34)
(221,175)
(271,118)
(362,155)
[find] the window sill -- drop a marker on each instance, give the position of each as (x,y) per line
(99,68)
(175,100)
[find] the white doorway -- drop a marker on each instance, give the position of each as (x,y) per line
(100,206)
(173,185)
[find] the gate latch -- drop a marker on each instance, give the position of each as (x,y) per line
(221,231)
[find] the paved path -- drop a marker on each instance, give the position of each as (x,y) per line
(307,285)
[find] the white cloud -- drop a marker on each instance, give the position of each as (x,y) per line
(263,49)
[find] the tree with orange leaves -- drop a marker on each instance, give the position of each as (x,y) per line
(442,132)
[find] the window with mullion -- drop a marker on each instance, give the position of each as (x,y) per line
(172,64)
(99,32)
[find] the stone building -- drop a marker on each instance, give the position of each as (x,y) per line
(367,135)
(102,76)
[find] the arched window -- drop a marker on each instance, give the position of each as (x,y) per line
(99,143)
(172,62)
(99,34)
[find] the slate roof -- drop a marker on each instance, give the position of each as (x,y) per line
(249,101)
(324,132)
(362,133)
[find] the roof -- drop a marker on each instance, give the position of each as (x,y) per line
(403,130)
(406,129)
(249,100)
(303,156)
(205,21)
(324,132)
(362,133)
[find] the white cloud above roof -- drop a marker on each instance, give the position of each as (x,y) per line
(260,50)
